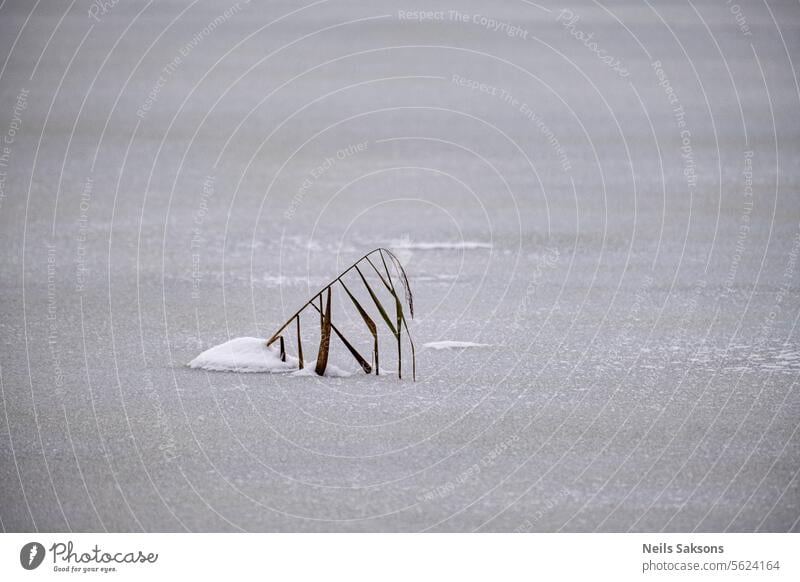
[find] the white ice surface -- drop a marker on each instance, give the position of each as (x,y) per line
(451,345)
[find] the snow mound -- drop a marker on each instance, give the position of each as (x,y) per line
(251,354)
(244,354)
(451,345)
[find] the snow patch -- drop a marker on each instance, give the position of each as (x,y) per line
(450,345)
(432,278)
(439,245)
(286,280)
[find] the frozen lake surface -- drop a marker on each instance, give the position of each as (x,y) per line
(605,194)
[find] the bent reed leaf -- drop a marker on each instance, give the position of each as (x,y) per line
(327,326)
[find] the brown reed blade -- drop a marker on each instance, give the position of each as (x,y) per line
(373,329)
